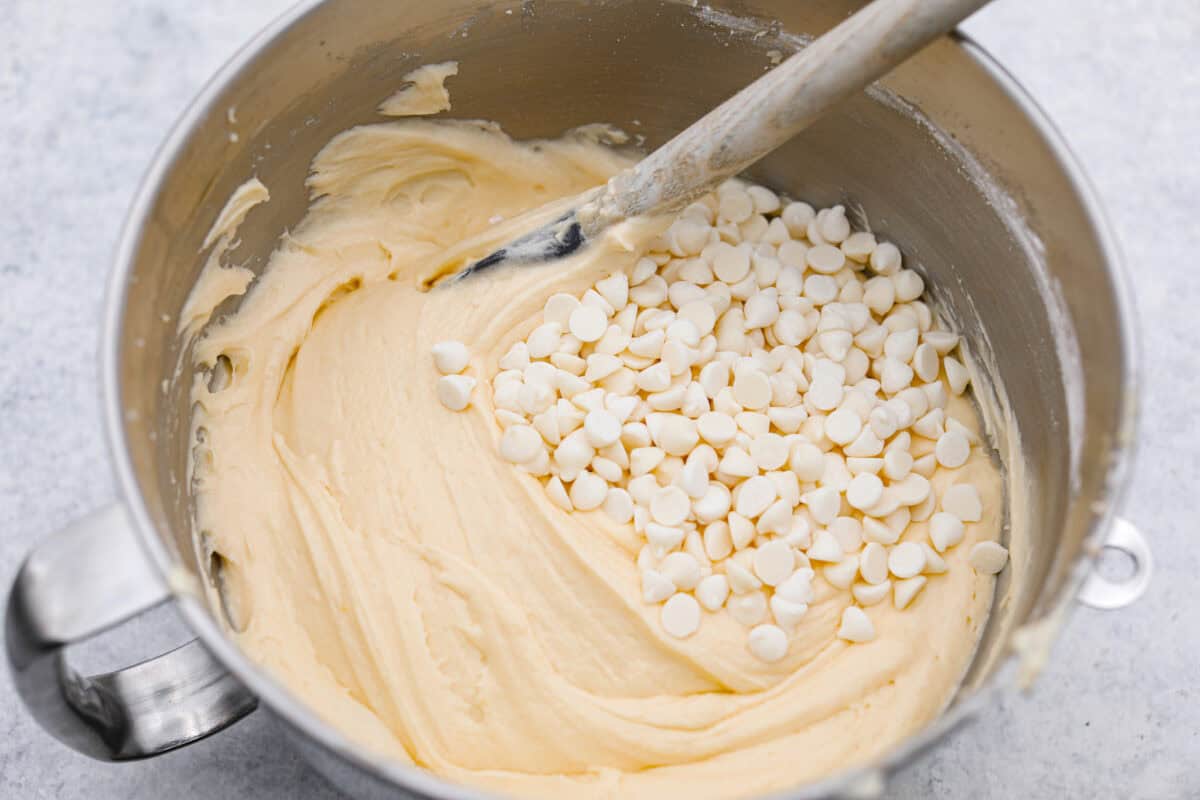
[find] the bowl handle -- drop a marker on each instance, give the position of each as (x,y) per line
(1102,593)
(88,577)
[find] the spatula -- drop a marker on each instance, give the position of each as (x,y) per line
(745,127)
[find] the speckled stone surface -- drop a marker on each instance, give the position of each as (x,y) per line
(87,90)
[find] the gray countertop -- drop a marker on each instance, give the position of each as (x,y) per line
(86,94)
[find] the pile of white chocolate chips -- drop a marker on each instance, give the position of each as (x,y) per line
(762,397)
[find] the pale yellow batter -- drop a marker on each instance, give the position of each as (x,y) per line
(424,596)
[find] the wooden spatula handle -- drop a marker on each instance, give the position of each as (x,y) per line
(777,106)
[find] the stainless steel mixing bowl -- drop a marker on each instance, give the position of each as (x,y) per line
(977,186)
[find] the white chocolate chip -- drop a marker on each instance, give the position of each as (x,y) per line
(588,491)
(963,501)
(801,535)
(909,285)
(714,505)
(925,363)
(911,490)
(700,314)
(856,626)
(825,547)
(716,428)
(713,591)
(682,569)
(954,425)
(925,465)
(820,288)
(906,560)
(718,544)
(570,344)
(904,591)
(930,425)
(825,259)
(670,506)
(569,363)
(934,563)
(776,519)
(898,520)
(655,378)
(535,398)
(774,562)
(824,394)
(864,491)
(664,536)
(841,575)
(454,391)
(895,375)
(836,475)
(936,394)
(741,530)
(988,558)
(956,375)
(517,357)
(787,613)
(544,340)
(833,225)
(675,434)
(615,290)
(558,494)
(754,496)
(769,451)
(902,345)
(945,531)
(747,608)
(885,259)
(736,205)
(558,309)
(873,563)
(737,463)
(602,428)
(868,594)
(858,246)
(952,450)
(693,479)
(751,389)
(642,271)
(619,506)
(681,616)
(643,460)
(450,357)
(655,586)
(823,504)
(876,531)
(574,452)
(807,461)
(943,341)
(753,424)
(729,264)
(848,532)
(569,385)
(798,588)
(650,293)
(767,643)
(761,309)
(741,580)
(520,444)
(600,366)
(843,426)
